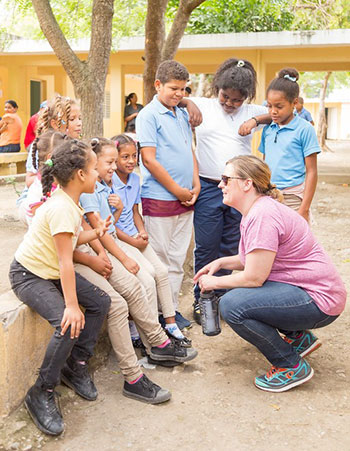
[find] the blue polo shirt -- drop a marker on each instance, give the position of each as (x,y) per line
(130,195)
(98,201)
(285,149)
(305,114)
(171,135)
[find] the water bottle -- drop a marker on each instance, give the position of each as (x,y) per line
(209,312)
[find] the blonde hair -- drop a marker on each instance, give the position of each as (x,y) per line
(251,167)
(57,109)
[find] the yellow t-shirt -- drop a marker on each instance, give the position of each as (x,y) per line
(37,252)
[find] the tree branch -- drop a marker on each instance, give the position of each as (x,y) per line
(71,63)
(178,27)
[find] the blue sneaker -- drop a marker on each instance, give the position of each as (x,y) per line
(283,379)
(181,321)
(306,343)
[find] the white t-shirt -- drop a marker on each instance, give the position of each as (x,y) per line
(217,136)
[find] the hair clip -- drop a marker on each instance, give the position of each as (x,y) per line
(290,78)
(49,162)
(240,63)
(95,141)
(116,144)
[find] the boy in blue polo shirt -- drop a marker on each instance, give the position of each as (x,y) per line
(303,112)
(170,174)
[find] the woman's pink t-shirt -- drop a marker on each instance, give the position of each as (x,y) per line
(300,259)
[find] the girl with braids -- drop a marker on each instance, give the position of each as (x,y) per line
(285,283)
(290,144)
(61,114)
(131,231)
(228,119)
(42,276)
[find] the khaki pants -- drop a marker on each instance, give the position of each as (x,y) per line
(153,275)
(170,238)
(127,296)
(292,200)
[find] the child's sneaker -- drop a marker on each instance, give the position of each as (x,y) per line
(146,391)
(283,379)
(306,343)
(173,351)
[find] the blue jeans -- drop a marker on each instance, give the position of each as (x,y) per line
(46,298)
(259,314)
(216,228)
(10,148)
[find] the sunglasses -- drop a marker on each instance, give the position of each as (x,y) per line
(226,178)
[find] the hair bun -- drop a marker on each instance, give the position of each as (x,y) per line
(289,73)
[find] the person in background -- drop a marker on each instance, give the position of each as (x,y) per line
(131,110)
(10,128)
(31,127)
(302,112)
(188,91)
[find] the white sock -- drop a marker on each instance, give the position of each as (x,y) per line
(174,330)
(133,330)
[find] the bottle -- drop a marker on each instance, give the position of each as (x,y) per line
(209,312)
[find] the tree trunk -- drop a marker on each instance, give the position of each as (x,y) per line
(157,49)
(88,77)
(322,122)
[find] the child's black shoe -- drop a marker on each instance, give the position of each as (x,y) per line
(76,376)
(146,391)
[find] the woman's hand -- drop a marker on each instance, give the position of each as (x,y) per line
(102,224)
(73,317)
(131,265)
(210,269)
(207,283)
(101,265)
(115,201)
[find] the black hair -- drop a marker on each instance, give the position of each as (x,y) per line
(12,103)
(129,97)
(97,144)
(286,82)
(44,144)
(188,90)
(120,140)
(65,160)
(238,75)
(171,70)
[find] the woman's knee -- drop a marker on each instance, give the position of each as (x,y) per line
(231,307)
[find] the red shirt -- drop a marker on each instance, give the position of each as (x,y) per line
(31,128)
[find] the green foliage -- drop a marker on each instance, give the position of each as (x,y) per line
(311,82)
(226,16)
(321,14)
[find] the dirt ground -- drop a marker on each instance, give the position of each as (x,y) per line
(215,404)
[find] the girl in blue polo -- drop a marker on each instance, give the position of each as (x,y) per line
(289,144)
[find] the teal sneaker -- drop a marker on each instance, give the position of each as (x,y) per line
(306,343)
(283,379)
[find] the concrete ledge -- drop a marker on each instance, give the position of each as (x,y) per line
(24,336)
(13,163)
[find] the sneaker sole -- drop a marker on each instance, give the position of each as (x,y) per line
(178,359)
(311,349)
(39,425)
(286,387)
(164,363)
(164,398)
(71,386)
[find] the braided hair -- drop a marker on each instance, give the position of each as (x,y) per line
(44,144)
(65,160)
(238,75)
(57,109)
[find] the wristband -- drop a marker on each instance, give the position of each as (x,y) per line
(257,122)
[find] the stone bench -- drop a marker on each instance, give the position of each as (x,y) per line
(13,163)
(24,336)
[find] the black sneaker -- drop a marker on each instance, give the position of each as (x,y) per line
(76,376)
(146,391)
(41,405)
(196,312)
(165,363)
(173,351)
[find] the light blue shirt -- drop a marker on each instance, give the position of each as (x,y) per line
(171,135)
(285,150)
(98,201)
(130,195)
(305,114)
